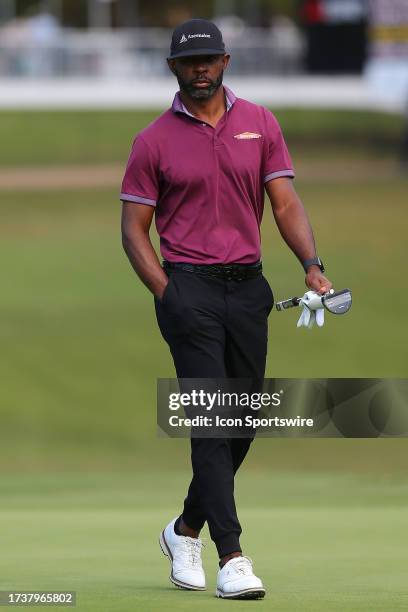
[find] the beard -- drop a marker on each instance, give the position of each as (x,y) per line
(200,93)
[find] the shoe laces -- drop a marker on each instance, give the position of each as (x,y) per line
(242,565)
(192,546)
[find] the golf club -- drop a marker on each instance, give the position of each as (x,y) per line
(336,302)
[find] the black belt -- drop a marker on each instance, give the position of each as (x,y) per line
(236,272)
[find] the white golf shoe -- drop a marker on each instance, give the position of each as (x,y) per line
(185,558)
(236,580)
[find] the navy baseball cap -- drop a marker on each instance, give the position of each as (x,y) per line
(196,37)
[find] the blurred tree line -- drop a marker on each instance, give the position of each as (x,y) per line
(161,13)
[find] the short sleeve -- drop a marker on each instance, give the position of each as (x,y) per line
(277,161)
(141,181)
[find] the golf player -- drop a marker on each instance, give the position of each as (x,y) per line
(201,169)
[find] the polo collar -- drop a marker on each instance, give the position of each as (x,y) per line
(178,106)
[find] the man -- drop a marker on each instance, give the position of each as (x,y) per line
(202,167)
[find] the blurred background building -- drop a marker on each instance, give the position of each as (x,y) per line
(96,37)
(131,37)
(128,40)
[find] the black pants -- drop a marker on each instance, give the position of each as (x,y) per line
(215,329)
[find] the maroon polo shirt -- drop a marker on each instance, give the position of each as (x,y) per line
(207,184)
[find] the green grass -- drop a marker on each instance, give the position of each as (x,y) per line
(58,137)
(319,542)
(81,349)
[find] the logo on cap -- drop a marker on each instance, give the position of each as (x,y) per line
(199,35)
(183,39)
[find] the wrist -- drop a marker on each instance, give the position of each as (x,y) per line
(313,268)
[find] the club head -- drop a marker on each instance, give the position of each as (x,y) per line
(338,302)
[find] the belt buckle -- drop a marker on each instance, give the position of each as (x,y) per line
(232,272)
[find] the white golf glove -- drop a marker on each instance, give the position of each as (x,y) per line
(313,310)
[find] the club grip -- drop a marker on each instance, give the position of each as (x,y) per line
(285,304)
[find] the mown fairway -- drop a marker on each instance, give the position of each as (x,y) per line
(320,543)
(37,137)
(85,484)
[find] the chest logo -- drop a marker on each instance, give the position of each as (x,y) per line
(247,136)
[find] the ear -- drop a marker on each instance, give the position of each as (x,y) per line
(172,65)
(226,60)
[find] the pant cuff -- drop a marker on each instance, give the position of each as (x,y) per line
(228,544)
(193,522)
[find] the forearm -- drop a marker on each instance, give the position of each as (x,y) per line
(294,226)
(295,229)
(144,260)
